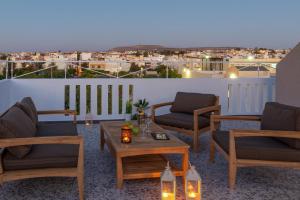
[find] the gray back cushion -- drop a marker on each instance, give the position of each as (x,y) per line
(16,124)
(278,116)
(188,102)
(27,105)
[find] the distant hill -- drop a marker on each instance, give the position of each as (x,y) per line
(139,48)
(162,48)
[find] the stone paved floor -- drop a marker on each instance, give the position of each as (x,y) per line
(252,183)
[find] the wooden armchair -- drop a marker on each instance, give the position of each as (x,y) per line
(189,115)
(31,149)
(246,148)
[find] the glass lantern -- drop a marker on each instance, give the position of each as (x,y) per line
(192,185)
(88,120)
(126,135)
(168,184)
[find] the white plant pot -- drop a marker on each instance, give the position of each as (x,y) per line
(127,117)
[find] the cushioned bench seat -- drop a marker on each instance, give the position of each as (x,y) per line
(56,129)
(258,148)
(181,120)
(47,156)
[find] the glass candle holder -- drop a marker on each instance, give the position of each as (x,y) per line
(126,135)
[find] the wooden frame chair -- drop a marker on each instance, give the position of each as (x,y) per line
(77,172)
(235,162)
(195,132)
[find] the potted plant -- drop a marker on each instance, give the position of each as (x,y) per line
(128,110)
(141,105)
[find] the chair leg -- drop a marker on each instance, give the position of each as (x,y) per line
(232,175)
(80,180)
(196,140)
(212,151)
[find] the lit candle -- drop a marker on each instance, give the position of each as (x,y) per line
(167,196)
(192,195)
(126,139)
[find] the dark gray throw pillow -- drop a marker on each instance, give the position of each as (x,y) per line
(278,117)
(188,102)
(16,124)
(282,117)
(27,105)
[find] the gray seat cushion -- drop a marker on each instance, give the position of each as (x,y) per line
(43,156)
(278,116)
(56,129)
(16,124)
(27,105)
(258,148)
(47,156)
(188,102)
(181,120)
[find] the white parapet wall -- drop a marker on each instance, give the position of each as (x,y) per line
(237,96)
(5,88)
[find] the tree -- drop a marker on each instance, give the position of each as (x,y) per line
(3,57)
(137,54)
(145,54)
(167,52)
(162,72)
(134,67)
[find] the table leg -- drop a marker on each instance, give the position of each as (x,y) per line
(102,139)
(119,172)
(185,165)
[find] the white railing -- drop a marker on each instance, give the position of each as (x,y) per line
(10,68)
(237,96)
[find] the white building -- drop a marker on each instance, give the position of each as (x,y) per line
(85,56)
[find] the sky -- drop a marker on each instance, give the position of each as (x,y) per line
(91,25)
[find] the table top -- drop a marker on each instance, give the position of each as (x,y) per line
(112,130)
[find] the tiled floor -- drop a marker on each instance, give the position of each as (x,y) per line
(252,183)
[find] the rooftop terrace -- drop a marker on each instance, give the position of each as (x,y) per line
(106,99)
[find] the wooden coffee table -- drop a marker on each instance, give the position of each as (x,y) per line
(144,157)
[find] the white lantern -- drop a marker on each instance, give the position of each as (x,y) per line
(88,120)
(168,184)
(192,184)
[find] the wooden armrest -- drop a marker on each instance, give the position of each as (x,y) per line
(55,112)
(1,157)
(161,105)
(217,118)
(265,133)
(155,106)
(41,140)
(207,109)
(58,112)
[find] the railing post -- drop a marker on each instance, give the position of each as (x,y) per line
(6,76)
(65,71)
(118,69)
(11,70)
(167,72)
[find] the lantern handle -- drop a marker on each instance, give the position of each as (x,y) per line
(168,165)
